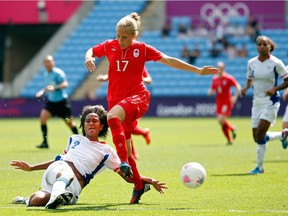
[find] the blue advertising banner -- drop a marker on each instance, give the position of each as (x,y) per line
(159,107)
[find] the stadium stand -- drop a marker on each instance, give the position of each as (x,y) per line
(167,82)
(96,27)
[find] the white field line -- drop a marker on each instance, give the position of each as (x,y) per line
(158,209)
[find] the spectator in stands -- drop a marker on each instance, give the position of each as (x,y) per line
(166,30)
(57,99)
(190,55)
(214,51)
(128,98)
(185,52)
(203,31)
(234,30)
(221,85)
(242,52)
(84,157)
(194,54)
(220,31)
(231,52)
(262,71)
(182,31)
(212,40)
(253,28)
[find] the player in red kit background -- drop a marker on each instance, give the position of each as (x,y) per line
(222,84)
(128,99)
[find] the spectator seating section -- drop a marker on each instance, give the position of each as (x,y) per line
(167,82)
(98,26)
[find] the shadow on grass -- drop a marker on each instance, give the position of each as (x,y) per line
(231,174)
(92,207)
(276,161)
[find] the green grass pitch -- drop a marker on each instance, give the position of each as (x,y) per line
(175,141)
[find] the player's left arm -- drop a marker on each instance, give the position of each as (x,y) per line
(282,86)
(18,164)
(179,64)
(159,186)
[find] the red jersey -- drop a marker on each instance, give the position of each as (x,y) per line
(222,87)
(126,67)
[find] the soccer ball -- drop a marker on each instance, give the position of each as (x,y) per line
(192,175)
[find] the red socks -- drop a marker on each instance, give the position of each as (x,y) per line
(226,128)
(136,175)
(119,139)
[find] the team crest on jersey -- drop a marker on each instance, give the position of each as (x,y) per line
(136,53)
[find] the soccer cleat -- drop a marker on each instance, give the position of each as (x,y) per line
(20,200)
(147,136)
(126,169)
(136,195)
(43,145)
(234,135)
(59,200)
(256,171)
(229,143)
(284,138)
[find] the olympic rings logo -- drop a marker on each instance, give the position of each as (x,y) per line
(221,14)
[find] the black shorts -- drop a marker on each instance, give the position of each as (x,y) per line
(61,108)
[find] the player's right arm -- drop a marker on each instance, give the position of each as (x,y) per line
(89,61)
(246,87)
(18,164)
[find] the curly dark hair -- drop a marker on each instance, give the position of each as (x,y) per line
(101,112)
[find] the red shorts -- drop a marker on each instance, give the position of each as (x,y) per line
(224,109)
(135,107)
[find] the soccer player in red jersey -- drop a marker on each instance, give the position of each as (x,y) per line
(221,84)
(145,132)
(128,98)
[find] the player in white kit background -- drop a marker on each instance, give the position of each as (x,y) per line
(262,73)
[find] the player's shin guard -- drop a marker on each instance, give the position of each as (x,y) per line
(260,153)
(119,139)
(138,183)
(60,184)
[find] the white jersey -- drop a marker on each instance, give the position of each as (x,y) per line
(265,76)
(89,157)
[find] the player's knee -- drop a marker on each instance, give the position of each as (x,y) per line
(39,198)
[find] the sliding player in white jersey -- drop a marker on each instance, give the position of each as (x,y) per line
(263,72)
(84,157)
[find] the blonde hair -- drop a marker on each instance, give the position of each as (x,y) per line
(131,22)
